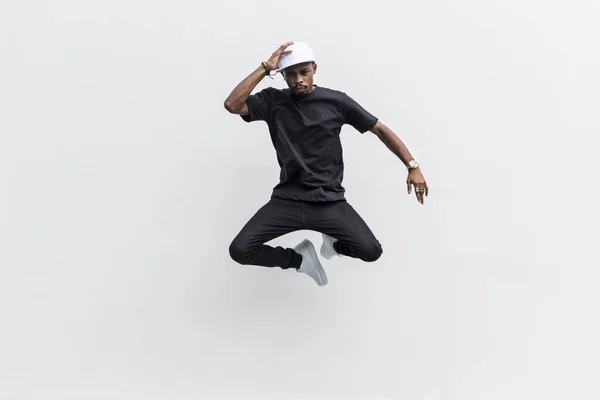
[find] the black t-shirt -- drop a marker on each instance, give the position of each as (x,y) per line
(305,132)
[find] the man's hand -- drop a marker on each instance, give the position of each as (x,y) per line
(415,178)
(397,146)
(273,62)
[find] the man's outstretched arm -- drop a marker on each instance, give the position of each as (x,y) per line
(236,101)
(392,141)
(397,146)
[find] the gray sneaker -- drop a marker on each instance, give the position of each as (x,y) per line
(311,265)
(327,250)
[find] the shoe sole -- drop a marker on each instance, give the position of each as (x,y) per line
(313,253)
(324,253)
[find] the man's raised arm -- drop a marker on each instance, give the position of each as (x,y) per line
(236,101)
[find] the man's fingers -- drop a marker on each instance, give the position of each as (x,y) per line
(281,53)
(420,193)
(421,188)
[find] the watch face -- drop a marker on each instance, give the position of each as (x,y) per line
(413,164)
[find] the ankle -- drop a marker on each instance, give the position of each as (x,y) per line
(296,261)
(336,247)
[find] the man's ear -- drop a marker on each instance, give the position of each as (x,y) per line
(314,68)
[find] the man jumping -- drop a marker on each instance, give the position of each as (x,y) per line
(305,122)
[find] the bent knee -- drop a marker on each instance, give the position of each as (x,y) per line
(373,253)
(238,252)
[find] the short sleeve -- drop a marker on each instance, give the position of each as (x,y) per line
(259,105)
(356,116)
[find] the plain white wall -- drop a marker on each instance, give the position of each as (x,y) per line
(123,181)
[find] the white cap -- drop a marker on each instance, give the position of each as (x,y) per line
(301,53)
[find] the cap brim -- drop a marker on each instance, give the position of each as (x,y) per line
(291,65)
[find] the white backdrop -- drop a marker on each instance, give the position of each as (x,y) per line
(123,181)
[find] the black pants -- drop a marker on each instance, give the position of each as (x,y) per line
(279,216)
